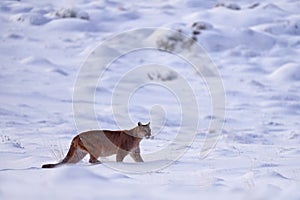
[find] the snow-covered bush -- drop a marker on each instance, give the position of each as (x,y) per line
(231,6)
(72,13)
(183,38)
(15,143)
(200,26)
(163,75)
(175,41)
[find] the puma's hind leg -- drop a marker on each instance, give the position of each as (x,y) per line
(94,160)
(77,151)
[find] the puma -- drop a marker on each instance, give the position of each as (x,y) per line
(102,143)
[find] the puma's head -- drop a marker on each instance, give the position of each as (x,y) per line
(143,130)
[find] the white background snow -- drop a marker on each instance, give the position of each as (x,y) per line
(254,44)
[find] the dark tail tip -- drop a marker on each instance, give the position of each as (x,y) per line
(49,166)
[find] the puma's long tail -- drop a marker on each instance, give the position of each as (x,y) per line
(73,155)
(50,165)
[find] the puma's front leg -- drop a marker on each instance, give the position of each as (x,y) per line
(136,155)
(121,155)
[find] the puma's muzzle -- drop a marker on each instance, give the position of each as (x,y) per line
(147,136)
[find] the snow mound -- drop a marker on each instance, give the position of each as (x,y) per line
(131,15)
(36,19)
(71,24)
(36,60)
(43,63)
(228,39)
(272,7)
(288,26)
(77,173)
(287,72)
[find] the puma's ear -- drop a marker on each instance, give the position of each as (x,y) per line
(148,123)
(139,124)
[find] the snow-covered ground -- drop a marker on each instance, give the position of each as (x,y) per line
(254,44)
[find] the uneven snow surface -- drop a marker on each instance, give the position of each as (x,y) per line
(255,46)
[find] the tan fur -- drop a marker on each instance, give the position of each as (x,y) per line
(102,143)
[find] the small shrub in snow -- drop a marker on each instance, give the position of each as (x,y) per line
(83,15)
(202,25)
(231,6)
(184,38)
(72,13)
(15,143)
(175,41)
(66,13)
(163,76)
(254,5)
(199,26)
